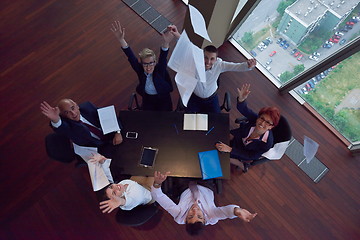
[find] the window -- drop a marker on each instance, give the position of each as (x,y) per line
(302,53)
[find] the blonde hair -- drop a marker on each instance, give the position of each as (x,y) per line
(146,52)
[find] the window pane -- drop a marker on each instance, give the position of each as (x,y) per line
(335,94)
(288,37)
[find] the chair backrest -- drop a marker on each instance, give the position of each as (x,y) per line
(136,216)
(227,102)
(282,136)
(58,147)
(282,132)
(133,98)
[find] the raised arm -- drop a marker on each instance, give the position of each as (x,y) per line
(52,113)
(243,92)
(169,34)
(119,33)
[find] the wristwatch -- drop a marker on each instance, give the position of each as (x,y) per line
(118,131)
(157,184)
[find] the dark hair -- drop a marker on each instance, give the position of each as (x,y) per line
(211,48)
(273,113)
(195,228)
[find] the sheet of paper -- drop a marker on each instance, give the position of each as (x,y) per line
(188,61)
(108,119)
(189,121)
(310,148)
(276,152)
(202,122)
(186,85)
(98,176)
(198,23)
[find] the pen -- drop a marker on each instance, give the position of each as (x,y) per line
(209,131)
(177,132)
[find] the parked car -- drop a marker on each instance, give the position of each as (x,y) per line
(322,75)
(318,78)
(266,42)
(312,57)
(279,40)
(350,23)
(348,27)
(269,61)
(268,68)
(282,43)
(286,46)
(327,45)
(328,42)
(305,91)
(308,87)
(312,84)
(334,40)
(342,42)
(339,33)
(293,51)
(272,53)
(269,39)
(344,30)
(336,36)
(296,54)
(253,53)
(300,57)
(316,54)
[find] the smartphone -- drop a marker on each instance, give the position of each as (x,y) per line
(132,135)
(148,156)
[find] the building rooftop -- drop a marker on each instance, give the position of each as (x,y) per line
(307,11)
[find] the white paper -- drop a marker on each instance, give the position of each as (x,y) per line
(188,61)
(198,23)
(108,119)
(186,86)
(310,148)
(100,174)
(277,151)
(196,122)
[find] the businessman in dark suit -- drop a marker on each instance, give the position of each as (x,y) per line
(81,124)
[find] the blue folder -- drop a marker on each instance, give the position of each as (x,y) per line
(210,164)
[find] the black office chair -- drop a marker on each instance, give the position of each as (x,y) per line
(137,216)
(133,98)
(180,106)
(282,136)
(227,102)
(59,148)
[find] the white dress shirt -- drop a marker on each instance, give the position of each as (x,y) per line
(212,214)
(208,88)
(135,195)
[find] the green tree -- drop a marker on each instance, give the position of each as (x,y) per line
(283,5)
(286,76)
(298,69)
(247,38)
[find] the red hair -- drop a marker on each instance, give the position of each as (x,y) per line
(273,113)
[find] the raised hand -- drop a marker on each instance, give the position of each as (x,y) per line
(97,158)
(251,63)
(119,33)
(117,139)
(159,178)
(244,214)
(222,147)
(109,205)
(53,113)
(243,92)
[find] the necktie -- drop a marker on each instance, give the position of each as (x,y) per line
(194,190)
(94,130)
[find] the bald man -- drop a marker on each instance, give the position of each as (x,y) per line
(81,124)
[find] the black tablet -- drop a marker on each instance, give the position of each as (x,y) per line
(148,156)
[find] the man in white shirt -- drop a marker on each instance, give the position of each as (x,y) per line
(204,98)
(196,207)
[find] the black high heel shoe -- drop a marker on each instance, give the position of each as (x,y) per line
(246,166)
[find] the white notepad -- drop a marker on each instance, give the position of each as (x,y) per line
(196,122)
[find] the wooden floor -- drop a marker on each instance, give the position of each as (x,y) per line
(51,49)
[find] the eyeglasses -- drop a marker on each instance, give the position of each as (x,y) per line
(150,64)
(267,122)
